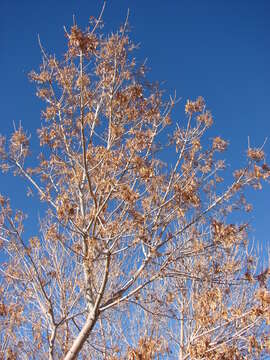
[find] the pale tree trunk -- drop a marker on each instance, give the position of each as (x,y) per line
(91,318)
(51,343)
(181,351)
(82,337)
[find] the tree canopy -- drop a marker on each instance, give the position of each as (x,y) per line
(142,251)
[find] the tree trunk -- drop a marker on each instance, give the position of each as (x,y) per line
(181,352)
(82,337)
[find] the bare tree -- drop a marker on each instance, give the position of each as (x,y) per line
(135,257)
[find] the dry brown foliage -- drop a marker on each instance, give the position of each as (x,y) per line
(135,258)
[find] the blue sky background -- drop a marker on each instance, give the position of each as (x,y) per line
(215,48)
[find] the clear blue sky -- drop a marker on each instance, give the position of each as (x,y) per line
(219,49)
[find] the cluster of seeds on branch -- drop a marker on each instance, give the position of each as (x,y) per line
(195,106)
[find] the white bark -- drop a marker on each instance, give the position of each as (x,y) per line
(82,337)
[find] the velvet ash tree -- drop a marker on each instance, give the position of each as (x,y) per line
(135,257)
